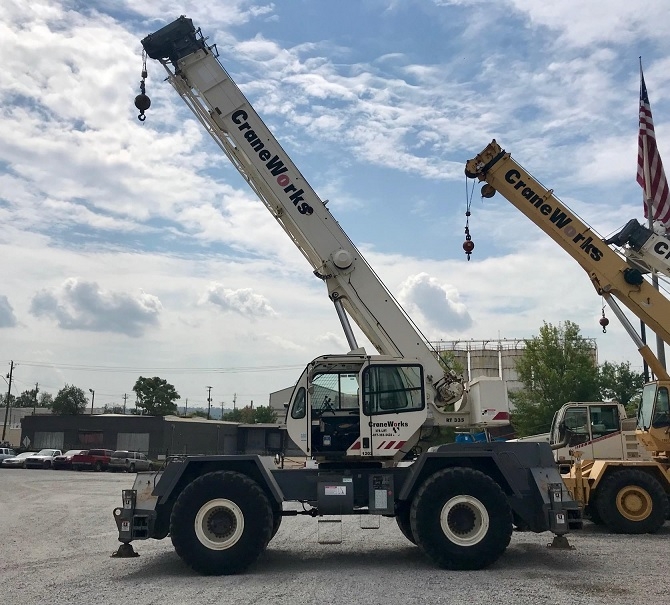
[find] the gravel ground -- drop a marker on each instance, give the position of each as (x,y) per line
(57,534)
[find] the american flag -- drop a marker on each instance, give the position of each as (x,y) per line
(649,159)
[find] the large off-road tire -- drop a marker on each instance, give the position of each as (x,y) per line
(631,501)
(403,521)
(461,519)
(276,522)
(593,514)
(221,523)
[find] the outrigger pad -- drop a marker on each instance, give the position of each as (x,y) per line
(559,542)
(125,551)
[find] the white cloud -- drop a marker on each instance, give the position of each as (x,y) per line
(243,301)
(81,305)
(7,317)
(438,304)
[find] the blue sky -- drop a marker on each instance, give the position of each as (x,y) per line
(136,249)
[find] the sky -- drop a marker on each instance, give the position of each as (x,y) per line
(135,249)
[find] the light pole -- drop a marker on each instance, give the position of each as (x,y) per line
(9,393)
(209,400)
(92,399)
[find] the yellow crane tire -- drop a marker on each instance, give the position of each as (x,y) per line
(631,501)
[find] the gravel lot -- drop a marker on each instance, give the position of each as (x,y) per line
(57,534)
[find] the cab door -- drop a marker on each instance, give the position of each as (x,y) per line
(298,418)
(393,407)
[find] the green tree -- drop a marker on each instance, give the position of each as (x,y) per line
(620,383)
(70,401)
(155,396)
(264,414)
(556,366)
(247,414)
(233,416)
(112,409)
(45,400)
(198,414)
(27,399)
(450,362)
(251,415)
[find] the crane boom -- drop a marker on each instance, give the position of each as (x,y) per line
(406,383)
(609,273)
(197,75)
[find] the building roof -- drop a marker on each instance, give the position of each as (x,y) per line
(200,419)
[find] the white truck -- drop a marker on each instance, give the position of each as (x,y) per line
(358,416)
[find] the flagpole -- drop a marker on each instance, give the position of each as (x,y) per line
(660,344)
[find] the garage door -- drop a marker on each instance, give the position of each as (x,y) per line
(133,442)
(53,440)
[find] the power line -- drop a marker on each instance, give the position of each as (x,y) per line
(182,370)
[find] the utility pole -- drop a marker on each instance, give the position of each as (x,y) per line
(222,410)
(209,400)
(35,400)
(9,392)
(234,400)
(125,396)
(92,399)
(186,408)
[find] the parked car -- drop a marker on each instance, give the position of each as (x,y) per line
(6,452)
(65,460)
(97,460)
(18,461)
(42,459)
(131,462)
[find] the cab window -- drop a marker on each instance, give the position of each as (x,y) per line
(662,408)
(576,425)
(644,412)
(392,389)
(334,392)
(604,420)
(299,408)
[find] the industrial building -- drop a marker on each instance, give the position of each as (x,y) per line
(495,358)
(156,436)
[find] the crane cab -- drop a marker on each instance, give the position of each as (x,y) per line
(592,428)
(357,406)
(653,418)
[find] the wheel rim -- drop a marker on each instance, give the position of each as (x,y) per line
(464,520)
(634,503)
(219,524)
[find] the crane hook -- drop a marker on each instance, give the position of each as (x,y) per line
(604,322)
(468,244)
(142,101)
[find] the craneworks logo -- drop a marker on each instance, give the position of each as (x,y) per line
(556,214)
(272,162)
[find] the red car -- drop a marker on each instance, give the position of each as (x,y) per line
(97,460)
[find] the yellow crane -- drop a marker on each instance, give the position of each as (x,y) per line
(629,495)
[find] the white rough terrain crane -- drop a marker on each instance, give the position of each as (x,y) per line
(620,472)
(357,415)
